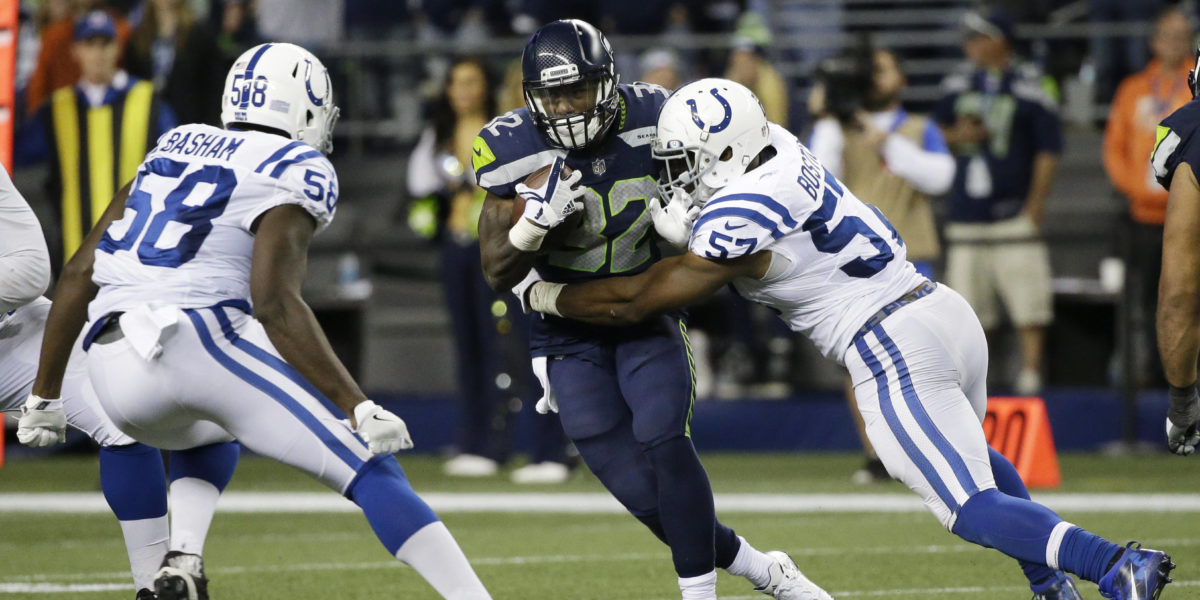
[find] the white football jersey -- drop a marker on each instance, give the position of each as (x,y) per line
(836,259)
(185,238)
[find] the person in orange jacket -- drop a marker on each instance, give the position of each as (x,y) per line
(1142,101)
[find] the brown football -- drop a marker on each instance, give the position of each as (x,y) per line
(556,236)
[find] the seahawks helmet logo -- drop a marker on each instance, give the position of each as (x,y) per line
(719,127)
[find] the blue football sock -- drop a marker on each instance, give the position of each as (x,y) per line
(393,509)
(1086,554)
(1008,481)
(685,506)
(1017,527)
(133,481)
(213,463)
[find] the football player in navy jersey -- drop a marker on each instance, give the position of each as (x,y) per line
(625,394)
(1175,160)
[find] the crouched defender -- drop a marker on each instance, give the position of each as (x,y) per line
(214,221)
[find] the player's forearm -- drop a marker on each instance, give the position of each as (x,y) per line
(1178,323)
(67,317)
(503,265)
(613,301)
(295,333)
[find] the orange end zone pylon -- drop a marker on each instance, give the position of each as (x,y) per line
(1019,428)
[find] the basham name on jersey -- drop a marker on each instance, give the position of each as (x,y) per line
(200,144)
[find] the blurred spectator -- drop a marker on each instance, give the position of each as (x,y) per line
(749,67)
(236,26)
(313,24)
(57,65)
(1142,101)
(891,159)
(661,66)
(485,325)
(1115,56)
(177,53)
(512,93)
(98,131)
(1000,119)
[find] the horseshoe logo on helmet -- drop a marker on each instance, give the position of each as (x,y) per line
(719,127)
(308,83)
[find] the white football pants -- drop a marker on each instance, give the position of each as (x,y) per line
(220,378)
(20,348)
(920,382)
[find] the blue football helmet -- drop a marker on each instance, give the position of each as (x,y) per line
(570,83)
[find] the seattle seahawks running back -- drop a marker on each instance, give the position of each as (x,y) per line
(775,224)
(217,222)
(625,394)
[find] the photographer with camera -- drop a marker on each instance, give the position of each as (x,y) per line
(888,157)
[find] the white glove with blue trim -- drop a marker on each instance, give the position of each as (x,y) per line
(42,423)
(673,221)
(383,431)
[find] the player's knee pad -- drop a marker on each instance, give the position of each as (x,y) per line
(133,482)
(393,509)
(213,463)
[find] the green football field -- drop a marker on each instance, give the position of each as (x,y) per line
(900,554)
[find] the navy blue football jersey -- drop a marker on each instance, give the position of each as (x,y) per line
(1177,141)
(616,234)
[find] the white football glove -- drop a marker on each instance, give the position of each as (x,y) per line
(522,289)
(384,432)
(42,423)
(549,205)
(1182,418)
(674,221)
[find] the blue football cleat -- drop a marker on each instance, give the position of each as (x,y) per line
(1060,587)
(1138,574)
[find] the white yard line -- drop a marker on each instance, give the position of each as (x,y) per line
(600,503)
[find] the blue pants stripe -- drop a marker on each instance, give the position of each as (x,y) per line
(893,421)
(270,360)
(249,376)
(953,458)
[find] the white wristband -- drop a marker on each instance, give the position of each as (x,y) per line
(543,297)
(526,236)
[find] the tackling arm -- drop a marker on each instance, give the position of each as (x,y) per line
(670,284)
(503,265)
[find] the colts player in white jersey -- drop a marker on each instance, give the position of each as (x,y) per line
(131,473)
(218,221)
(755,209)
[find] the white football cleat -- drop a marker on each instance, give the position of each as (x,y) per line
(788,583)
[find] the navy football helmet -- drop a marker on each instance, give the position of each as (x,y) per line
(570,83)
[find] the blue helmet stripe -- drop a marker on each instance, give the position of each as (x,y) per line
(250,71)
